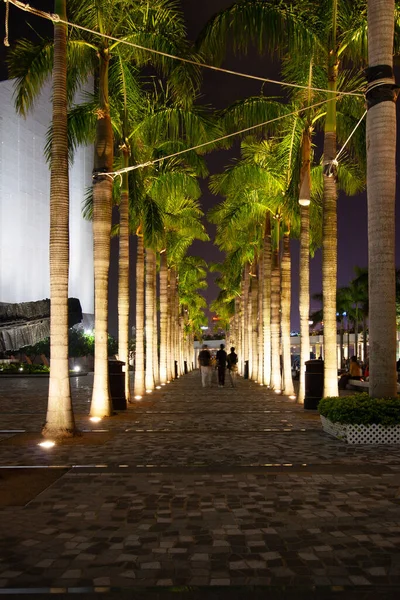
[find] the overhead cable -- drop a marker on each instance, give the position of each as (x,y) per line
(56,19)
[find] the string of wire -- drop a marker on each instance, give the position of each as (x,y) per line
(221,139)
(350,136)
(56,19)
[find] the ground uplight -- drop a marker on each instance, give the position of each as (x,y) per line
(47,444)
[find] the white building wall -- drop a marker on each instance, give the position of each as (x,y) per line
(24,207)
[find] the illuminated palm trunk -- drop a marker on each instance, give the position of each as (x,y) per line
(240,337)
(266,308)
(139,349)
(173,322)
(156,369)
(180,342)
(381,186)
(123,276)
(59,418)
(149,319)
(304,296)
(163,317)
(249,328)
(260,331)
(276,380)
(169,328)
(254,319)
(243,347)
(102,201)
(285,316)
(329,227)
(304,277)
(246,318)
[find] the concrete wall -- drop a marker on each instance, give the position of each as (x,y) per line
(24,207)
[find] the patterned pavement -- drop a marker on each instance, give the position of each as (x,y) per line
(230,492)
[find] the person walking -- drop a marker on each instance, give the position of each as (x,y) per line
(232,360)
(221,365)
(205,366)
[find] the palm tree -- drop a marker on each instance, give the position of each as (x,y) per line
(159,26)
(139,383)
(381,186)
(59,418)
(149,318)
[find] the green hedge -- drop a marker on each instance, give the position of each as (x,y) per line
(11,368)
(360,409)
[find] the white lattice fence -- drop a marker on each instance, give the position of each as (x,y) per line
(362,434)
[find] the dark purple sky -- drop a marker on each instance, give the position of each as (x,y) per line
(220,90)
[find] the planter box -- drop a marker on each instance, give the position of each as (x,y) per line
(362,434)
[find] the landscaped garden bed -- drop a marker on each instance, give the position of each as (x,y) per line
(17,369)
(359,419)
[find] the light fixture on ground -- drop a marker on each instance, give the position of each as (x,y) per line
(163,384)
(95,419)
(149,391)
(138,397)
(292,397)
(158,387)
(277,391)
(47,444)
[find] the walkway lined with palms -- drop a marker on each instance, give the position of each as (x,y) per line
(197,487)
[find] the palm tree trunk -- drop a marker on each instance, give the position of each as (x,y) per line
(156,369)
(60,417)
(102,203)
(356,334)
(243,313)
(254,317)
(329,243)
(341,337)
(304,297)
(365,347)
(149,319)
(266,324)
(381,186)
(285,317)
(246,318)
(139,351)
(276,380)
(173,323)
(169,326)
(163,318)
(260,331)
(240,337)
(123,276)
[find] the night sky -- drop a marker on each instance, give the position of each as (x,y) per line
(219,90)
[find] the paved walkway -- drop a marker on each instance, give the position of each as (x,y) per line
(223,490)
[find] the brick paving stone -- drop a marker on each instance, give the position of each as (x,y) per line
(244,488)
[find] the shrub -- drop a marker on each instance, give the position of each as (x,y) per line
(9,369)
(360,409)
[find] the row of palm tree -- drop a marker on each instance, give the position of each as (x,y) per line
(329,36)
(123,110)
(325,36)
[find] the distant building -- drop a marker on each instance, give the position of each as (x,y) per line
(24,207)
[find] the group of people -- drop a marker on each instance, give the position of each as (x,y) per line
(354,372)
(223,361)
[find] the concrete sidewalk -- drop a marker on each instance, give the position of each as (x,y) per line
(236,493)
